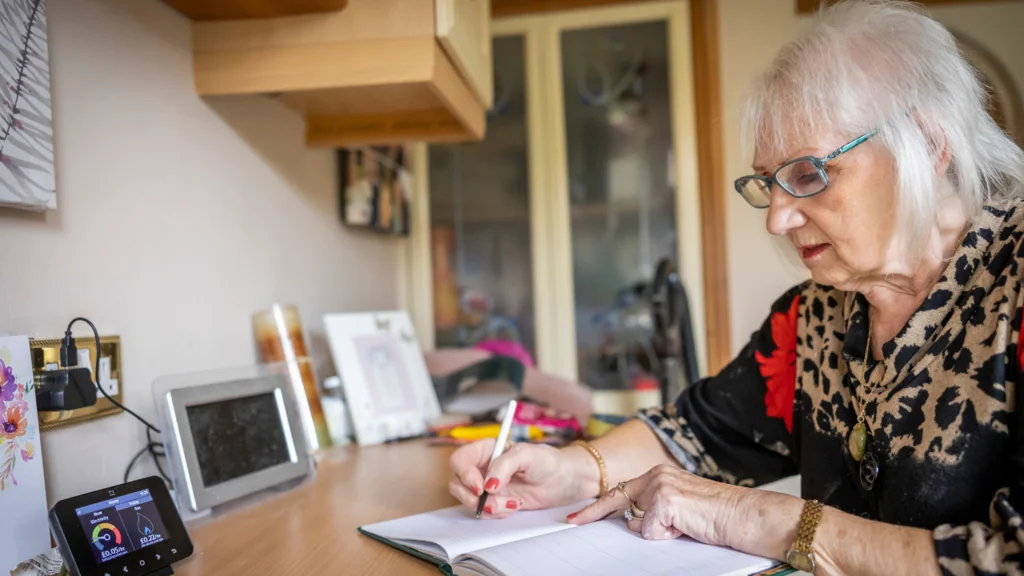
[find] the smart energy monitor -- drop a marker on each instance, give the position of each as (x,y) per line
(128,530)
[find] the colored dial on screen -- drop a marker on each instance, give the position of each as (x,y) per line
(104,535)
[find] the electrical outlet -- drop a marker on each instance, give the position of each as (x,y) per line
(46,356)
(110,385)
(85,360)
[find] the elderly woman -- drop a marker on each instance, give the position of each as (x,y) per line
(887,381)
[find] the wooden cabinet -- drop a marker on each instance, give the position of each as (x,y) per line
(377,71)
(464,30)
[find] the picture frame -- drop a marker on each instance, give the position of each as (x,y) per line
(376,188)
(208,416)
(387,387)
(22,479)
(27,175)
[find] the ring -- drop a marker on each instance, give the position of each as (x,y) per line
(621,487)
(635,511)
(628,513)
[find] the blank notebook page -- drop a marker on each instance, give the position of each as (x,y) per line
(457,531)
(609,547)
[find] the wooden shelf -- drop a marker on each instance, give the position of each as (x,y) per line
(372,73)
(207,10)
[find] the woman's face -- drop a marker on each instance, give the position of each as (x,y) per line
(843,234)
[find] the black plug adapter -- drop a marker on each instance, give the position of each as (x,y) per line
(68,351)
(65,389)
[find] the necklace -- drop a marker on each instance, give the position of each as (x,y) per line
(869,465)
(858,440)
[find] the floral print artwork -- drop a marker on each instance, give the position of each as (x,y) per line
(22,485)
(16,433)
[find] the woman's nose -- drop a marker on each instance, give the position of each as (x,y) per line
(784,213)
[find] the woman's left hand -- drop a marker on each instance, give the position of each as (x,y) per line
(674,503)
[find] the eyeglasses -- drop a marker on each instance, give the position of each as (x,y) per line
(801,177)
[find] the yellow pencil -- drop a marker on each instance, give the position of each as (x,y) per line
(487,431)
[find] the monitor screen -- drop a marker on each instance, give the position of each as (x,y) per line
(237,437)
(121,525)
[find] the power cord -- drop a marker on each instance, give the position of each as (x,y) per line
(69,357)
(152,446)
(155,449)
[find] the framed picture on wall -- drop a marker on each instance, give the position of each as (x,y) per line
(376,188)
(26,126)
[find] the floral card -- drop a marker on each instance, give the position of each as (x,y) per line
(22,490)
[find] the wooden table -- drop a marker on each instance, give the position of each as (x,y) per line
(311,529)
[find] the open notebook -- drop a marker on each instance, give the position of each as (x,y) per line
(540,542)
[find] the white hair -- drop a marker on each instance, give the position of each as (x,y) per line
(885,65)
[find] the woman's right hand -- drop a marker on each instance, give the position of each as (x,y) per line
(524,477)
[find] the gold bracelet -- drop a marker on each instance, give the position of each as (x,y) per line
(801,555)
(600,464)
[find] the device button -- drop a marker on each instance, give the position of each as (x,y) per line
(157,556)
(125,569)
(174,550)
(142,562)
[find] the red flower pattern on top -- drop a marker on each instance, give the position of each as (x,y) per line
(779,369)
(1020,344)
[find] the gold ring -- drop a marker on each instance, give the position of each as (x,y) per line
(621,487)
(637,512)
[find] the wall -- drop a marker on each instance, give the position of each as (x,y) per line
(178,218)
(751,33)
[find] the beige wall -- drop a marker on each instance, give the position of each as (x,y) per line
(177,220)
(751,32)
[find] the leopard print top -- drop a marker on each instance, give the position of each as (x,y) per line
(945,423)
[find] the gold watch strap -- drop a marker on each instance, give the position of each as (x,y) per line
(801,555)
(603,489)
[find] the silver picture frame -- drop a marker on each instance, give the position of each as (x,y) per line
(201,497)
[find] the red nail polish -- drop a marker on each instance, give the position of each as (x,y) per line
(492,485)
(487,509)
(475,490)
(511,505)
(571,516)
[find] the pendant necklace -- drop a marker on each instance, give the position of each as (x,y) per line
(857,442)
(869,464)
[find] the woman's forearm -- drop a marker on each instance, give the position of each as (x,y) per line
(765,524)
(629,451)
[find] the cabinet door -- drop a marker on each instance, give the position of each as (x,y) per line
(464,31)
(622,197)
(480,221)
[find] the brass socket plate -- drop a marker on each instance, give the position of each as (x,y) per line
(47,353)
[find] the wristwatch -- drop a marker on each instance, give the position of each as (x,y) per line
(801,555)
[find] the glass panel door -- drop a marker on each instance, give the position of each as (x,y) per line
(480,227)
(618,130)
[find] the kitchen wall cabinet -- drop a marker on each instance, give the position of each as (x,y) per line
(376,71)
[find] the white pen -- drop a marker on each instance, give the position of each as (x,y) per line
(499,447)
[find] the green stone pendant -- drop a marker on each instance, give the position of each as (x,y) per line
(858,441)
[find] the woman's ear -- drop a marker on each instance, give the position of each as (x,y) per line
(938,144)
(941,154)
